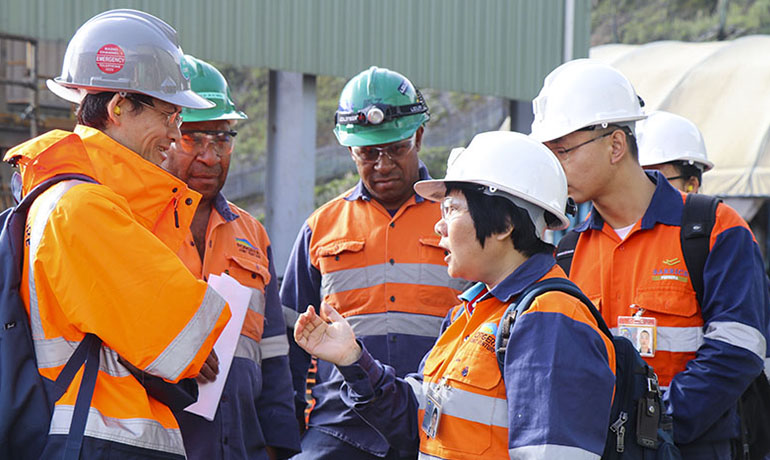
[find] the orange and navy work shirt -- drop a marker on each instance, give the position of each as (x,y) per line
(552,403)
(101,258)
(257,407)
(707,354)
(386,275)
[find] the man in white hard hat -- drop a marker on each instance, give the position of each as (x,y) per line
(629,260)
(673,145)
(100,260)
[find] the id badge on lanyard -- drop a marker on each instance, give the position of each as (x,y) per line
(434,400)
(642,331)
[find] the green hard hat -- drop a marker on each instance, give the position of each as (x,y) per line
(209,82)
(378,106)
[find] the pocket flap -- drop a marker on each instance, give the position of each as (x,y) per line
(340,246)
(253,266)
(431,241)
(677,302)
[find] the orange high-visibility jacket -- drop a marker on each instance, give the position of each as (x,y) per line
(101,258)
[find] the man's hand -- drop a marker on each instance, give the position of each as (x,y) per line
(329,336)
(210,369)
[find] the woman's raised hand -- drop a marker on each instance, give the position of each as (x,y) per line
(328,336)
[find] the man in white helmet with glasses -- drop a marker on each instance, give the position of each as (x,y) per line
(101,257)
(629,260)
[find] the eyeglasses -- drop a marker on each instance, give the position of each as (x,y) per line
(566,151)
(394,152)
(171,117)
(450,208)
(220,141)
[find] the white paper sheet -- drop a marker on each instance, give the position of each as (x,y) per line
(238,297)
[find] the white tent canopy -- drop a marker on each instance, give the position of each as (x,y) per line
(724,88)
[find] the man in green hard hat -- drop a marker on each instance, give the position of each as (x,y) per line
(255,416)
(373,255)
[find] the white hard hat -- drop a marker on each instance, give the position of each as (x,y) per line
(511,165)
(126,50)
(665,137)
(583,93)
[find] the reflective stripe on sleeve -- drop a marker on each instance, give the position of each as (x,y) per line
(423,456)
(373,275)
(290,316)
(272,347)
(181,351)
(44,206)
(257,301)
(139,432)
(395,323)
(551,451)
(474,407)
(417,389)
(248,348)
(739,335)
(677,339)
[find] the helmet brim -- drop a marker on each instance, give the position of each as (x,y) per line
(188,99)
(375,136)
(547,135)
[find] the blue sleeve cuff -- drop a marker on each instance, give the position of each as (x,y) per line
(362,376)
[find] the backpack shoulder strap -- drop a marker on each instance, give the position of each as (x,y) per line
(522,304)
(698,220)
(566,249)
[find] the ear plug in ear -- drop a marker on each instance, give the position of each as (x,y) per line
(117,110)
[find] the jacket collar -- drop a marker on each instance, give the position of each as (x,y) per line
(666,207)
(514,284)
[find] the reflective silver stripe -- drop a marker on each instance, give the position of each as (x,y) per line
(373,275)
(139,432)
(395,323)
(257,301)
(474,407)
(738,335)
(767,368)
(417,389)
(290,316)
(57,351)
(44,206)
(677,339)
(551,451)
(248,348)
(272,347)
(181,351)
(423,456)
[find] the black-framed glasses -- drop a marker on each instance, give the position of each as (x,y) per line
(171,117)
(566,151)
(219,140)
(394,152)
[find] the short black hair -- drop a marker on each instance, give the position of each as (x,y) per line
(92,110)
(496,214)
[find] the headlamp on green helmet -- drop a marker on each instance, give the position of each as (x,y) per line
(379,106)
(209,83)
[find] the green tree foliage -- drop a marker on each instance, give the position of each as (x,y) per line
(642,21)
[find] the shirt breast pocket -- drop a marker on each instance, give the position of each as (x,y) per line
(249,271)
(667,303)
(477,398)
(341,255)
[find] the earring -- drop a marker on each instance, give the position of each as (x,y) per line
(689,188)
(117,110)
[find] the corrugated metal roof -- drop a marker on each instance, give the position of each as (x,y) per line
(496,47)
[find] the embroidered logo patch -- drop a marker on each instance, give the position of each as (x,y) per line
(485,337)
(244,242)
(677,274)
(671,262)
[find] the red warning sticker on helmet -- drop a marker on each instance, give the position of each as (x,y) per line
(110,58)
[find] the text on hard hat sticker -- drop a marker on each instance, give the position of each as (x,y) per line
(110,58)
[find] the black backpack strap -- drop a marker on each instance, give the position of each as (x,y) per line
(522,304)
(698,220)
(566,250)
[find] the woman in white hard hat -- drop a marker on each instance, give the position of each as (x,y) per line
(673,145)
(499,196)
(101,260)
